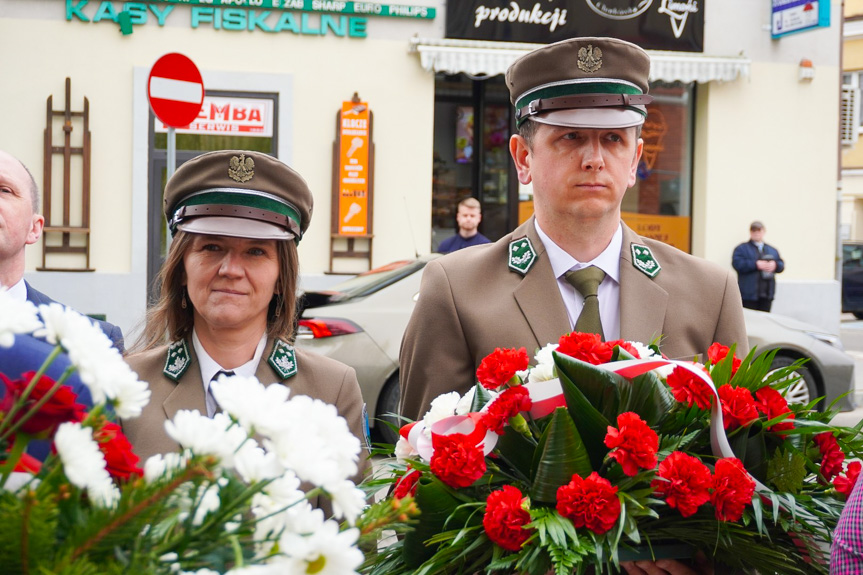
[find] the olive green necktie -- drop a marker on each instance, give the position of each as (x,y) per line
(586,281)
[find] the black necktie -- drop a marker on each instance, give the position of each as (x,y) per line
(212,404)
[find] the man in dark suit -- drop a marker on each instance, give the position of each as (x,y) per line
(757,264)
(21,225)
(27,354)
(579,106)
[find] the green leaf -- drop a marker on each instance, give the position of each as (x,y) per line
(436,504)
(592,425)
(517,450)
(481,397)
(561,454)
(647,396)
(786,471)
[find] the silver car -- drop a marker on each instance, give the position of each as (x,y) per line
(360,322)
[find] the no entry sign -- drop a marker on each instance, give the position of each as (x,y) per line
(175,90)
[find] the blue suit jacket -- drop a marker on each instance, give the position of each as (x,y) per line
(743,260)
(111,330)
(27,354)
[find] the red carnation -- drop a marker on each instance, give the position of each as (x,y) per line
(505,518)
(831,455)
(633,443)
(590,502)
(625,345)
(587,347)
(717,352)
(844,484)
(738,406)
(407,485)
(122,463)
(60,408)
(508,404)
(690,389)
(732,489)
(500,366)
(686,482)
(455,461)
(771,403)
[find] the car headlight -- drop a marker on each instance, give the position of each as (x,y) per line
(827,338)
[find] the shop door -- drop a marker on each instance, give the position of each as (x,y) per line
(472,125)
(191,145)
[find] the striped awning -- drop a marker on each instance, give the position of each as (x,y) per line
(484,59)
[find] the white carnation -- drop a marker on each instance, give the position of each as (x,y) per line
(326,549)
(159,465)
(204,436)
(404,450)
(348,501)
(442,406)
(254,464)
(254,405)
(544,356)
(16,317)
(314,441)
(99,364)
(84,463)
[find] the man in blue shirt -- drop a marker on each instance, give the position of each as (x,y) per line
(468,217)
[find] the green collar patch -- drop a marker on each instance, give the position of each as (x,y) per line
(283,359)
(522,256)
(643,260)
(178,360)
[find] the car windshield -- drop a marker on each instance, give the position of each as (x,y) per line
(365,283)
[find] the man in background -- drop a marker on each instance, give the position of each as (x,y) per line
(21,225)
(757,264)
(468,216)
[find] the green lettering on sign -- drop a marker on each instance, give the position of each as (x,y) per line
(334,6)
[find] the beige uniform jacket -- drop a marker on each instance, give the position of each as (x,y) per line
(471,302)
(317,376)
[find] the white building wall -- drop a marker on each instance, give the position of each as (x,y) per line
(312,74)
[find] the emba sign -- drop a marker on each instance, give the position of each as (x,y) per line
(230,116)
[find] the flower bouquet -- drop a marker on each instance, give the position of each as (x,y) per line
(606,452)
(232,501)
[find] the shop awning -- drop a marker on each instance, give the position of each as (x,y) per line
(482,59)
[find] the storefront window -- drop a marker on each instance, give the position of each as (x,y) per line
(658,206)
(473,122)
(472,126)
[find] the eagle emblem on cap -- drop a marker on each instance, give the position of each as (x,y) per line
(589,59)
(241,169)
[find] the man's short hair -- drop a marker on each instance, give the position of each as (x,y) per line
(34,189)
(755,226)
(470,202)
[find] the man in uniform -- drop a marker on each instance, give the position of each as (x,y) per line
(580,105)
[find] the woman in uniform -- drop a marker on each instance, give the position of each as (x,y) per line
(228,300)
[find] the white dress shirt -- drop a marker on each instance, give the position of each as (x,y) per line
(18,291)
(609,290)
(209,368)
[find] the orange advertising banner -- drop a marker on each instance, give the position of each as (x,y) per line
(672,230)
(354,170)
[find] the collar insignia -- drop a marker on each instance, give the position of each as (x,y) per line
(589,59)
(241,169)
(283,359)
(522,256)
(178,360)
(643,260)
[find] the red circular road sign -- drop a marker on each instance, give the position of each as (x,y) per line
(175,90)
